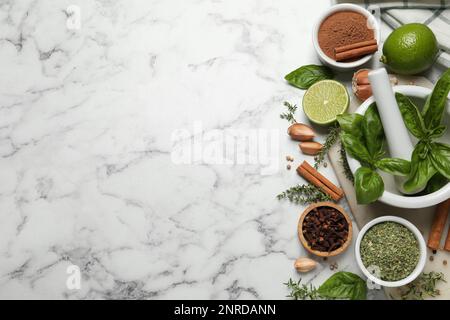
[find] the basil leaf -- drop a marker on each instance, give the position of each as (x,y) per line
(394,166)
(440,157)
(434,107)
(437,132)
(422,169)
(304,77)
(373,132)
(426,106)
(355,148)
(369,185)
(411,116)
(436,183)
(344,285)
(351,123)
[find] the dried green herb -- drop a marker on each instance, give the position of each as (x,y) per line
(290,115)
(304,194)
(330,140)
(424,286)
(392,248)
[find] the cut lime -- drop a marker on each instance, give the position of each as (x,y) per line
(324,100)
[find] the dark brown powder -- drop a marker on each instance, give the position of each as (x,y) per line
(343,28)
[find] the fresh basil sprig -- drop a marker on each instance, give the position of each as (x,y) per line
(394,166)
(429,158)
(352,123)
(422,169)
(435,183)
(440,158)
(411,116)
(356,148)
(363,138)
(304,77)
(369,185)
(344,285)
(373,132)
(435,105)
(341,285)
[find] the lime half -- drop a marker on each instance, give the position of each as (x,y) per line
(324,100)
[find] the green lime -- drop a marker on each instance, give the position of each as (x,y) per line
(324,100)
(410,49)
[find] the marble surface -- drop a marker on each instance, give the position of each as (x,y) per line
(91,115)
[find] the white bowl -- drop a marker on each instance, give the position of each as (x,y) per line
(391,195)
(343,66)
(422,247)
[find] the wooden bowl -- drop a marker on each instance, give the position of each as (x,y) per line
(323,253)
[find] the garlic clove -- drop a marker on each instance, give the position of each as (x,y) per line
(361,77)
(301,132)
(361,84)
(310,148)
(304,264)
(363,92)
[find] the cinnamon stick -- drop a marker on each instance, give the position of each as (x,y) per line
(447,241)
(440,218)
(356,53)
(314,177)
(322,178)
(308,176)
(355,45)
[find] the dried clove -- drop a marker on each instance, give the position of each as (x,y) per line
(325,229)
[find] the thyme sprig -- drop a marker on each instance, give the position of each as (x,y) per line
(343,158)
(304,194)
(330,140)
(290,115)
(424,286)
(301,291)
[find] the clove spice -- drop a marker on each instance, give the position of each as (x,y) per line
(325,229)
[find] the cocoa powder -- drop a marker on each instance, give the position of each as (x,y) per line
(343,28)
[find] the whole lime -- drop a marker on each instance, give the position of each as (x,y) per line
(410,49)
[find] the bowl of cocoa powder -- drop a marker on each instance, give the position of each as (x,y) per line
(346,36)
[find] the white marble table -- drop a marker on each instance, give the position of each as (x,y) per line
(89,170)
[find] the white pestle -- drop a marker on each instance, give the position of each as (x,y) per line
(397,136)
